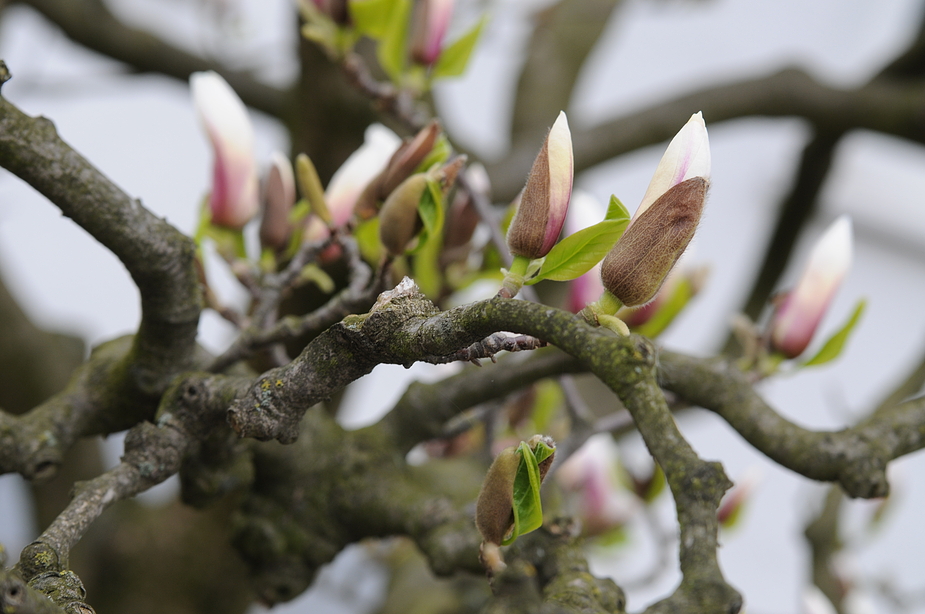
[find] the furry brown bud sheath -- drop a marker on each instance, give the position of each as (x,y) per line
(637,265)
(544,203)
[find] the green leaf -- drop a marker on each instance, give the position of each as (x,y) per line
(426,266)
(836,343)
(616,210)
(681,294)
(528,512)
(454,58)
(430,209)
(367,238)
(549,399)
(372,17)
(438,154)
(392,49)
(576,254)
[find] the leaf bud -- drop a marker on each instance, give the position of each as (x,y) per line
(494,509)
(637,265)
(310,187)
(399,222)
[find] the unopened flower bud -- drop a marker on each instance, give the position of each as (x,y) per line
(637,265)
(279,197)
(544,202)
(408,157)
(310,187)
(687,156)
(399,222)
(402,163)
(233,200)
(428,28)
(363,166)
(800,311)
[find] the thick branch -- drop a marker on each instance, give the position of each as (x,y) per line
(424,409)
(190,411)
(404,327)
(91,24)
(158,257)
(563,37)
(855,457)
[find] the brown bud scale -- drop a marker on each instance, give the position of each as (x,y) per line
(527,232)
(637,265)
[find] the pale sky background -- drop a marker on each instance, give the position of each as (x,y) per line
(141,132)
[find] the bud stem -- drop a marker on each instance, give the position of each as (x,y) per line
(514,278)
(601,313)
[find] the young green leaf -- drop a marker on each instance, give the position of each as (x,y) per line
(372,17)
(616,210)
(836,343)
(392,49)
(576,254)
(528,511)
(681,294)
(430,210)
(454,58)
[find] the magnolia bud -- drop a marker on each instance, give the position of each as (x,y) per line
(408,157)
(494,509)
(637,265)
(403,162)
(348,183)
(798,315)
(275,227)
(233,200)
(544,202)
(428,28)
(399,222)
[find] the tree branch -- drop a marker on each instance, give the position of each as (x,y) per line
(125,381)
(855,457)
(91,24)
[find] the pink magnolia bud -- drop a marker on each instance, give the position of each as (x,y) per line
(736,499)
(361,167)
(799,313)
(233,200)
(687,156)
(544,201)
(428,29)
(279,197)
